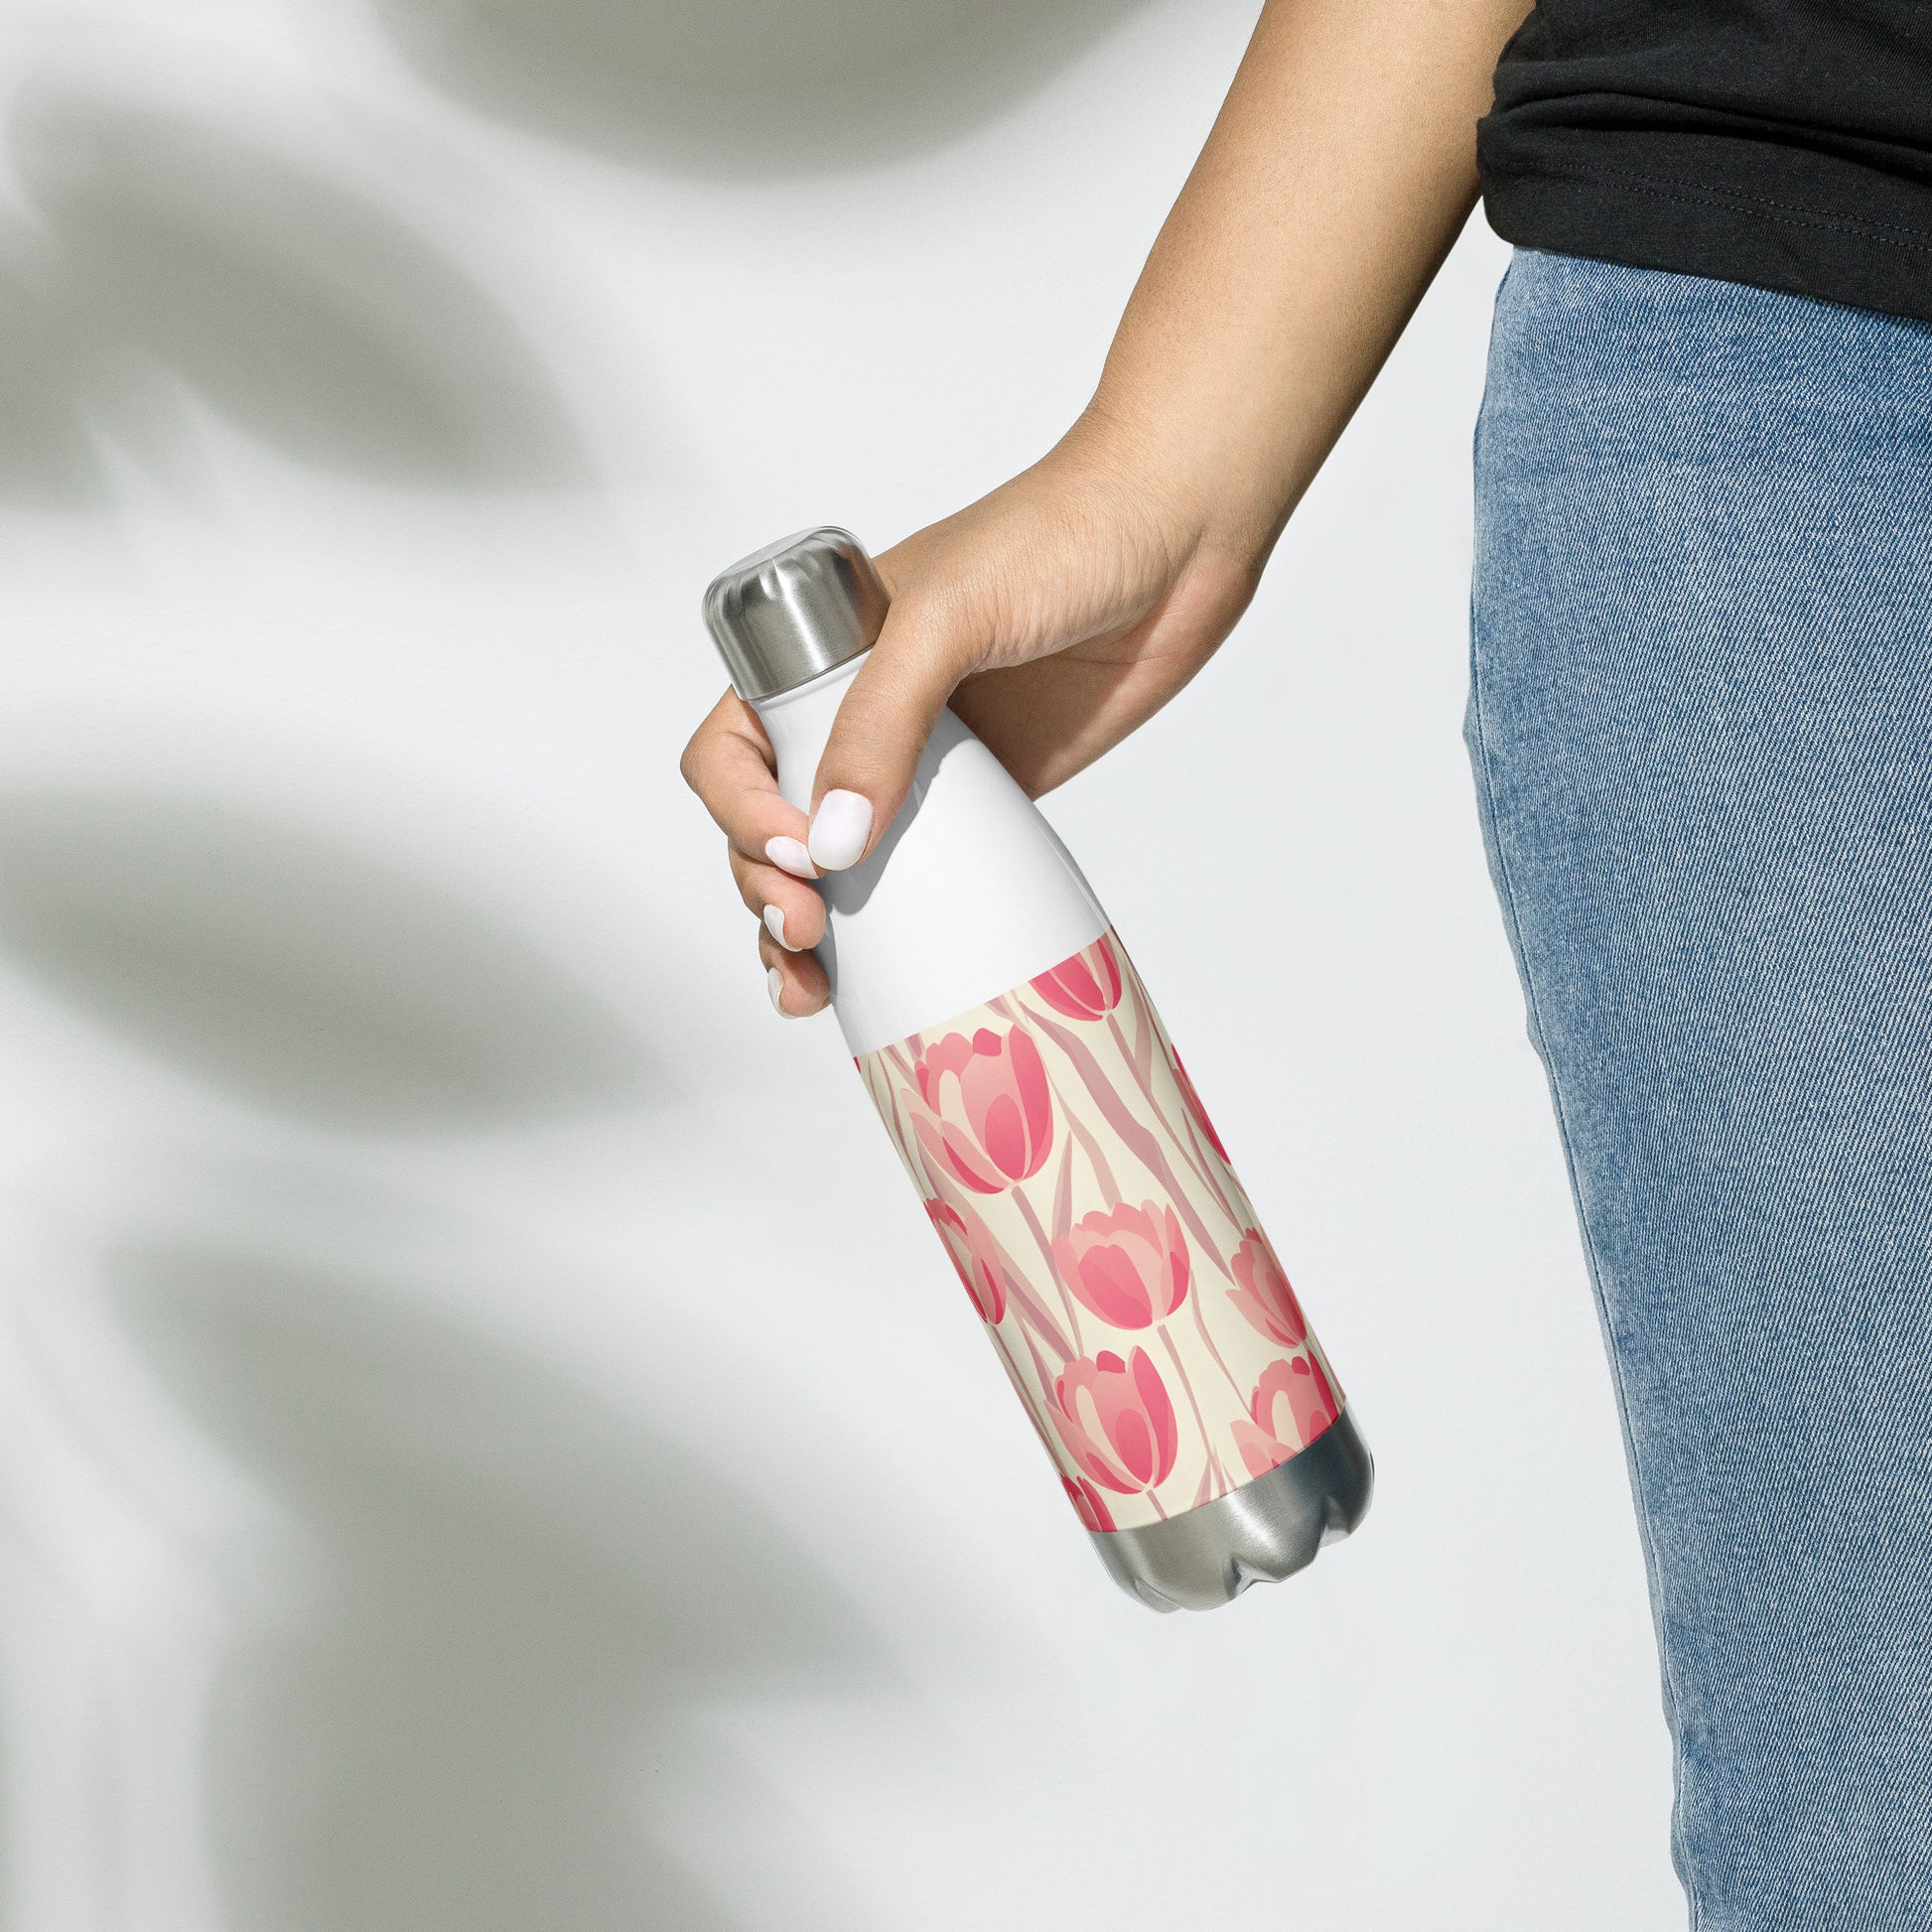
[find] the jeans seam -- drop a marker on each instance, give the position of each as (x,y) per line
(1507,895)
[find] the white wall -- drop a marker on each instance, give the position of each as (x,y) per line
(472,1380)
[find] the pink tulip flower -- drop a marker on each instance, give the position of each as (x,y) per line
(1310,1396)
(1117,1421)
(1293,1404)
(988,1118)
(1085,985)
(1266,1300)
(976,1255)
(1088,1504)
(1130,1266)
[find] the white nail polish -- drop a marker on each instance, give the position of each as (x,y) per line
(774,924)
(775,984)
(840,828)
(789,854)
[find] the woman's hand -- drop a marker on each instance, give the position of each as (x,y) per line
(1056,615)
(1076,599)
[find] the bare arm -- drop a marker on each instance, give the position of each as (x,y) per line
(1064,608)
(1341,168)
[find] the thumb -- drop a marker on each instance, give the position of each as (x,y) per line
(884,721)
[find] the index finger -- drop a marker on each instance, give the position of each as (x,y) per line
(729,764)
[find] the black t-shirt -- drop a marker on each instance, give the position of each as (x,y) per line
(1783,143)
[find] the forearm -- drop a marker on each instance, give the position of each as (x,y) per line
(1340,171)
(1068,605)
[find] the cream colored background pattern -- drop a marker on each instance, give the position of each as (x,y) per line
(1121,1270)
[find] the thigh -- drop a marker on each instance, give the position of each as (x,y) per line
(1702,723)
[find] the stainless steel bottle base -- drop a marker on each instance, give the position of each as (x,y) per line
(1260,1533)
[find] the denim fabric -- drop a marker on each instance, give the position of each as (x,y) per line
(1702,725)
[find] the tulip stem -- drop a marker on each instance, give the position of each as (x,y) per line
(1034,1319)
(1197,1160)
(1141,1144)
(1194,1401)
(1200,1321)
(1102,1174)
(1039,1233)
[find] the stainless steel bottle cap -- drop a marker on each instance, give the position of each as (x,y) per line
(790,611)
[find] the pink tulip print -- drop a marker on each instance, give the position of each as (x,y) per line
(1293,1404)
(976,1255)
(1088,1503)
(1085,985)
(1129,1267)
(1310,1396)
(1144,1320)
(988,1114)
(1263,1295)
(1194,1107)
(1117,1421)
(1261,1448)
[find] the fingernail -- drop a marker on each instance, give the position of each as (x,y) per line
(775,984)
(774,924)
(840,828)
(789,854)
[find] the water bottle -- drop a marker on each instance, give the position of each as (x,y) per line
(1064,1157)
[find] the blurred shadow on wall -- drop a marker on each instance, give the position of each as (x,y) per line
(311,318)
(296,974)
(48,456)
(526,1598)
(747,86)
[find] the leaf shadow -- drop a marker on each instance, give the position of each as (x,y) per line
(283,968)
(487,1712)
(746,88)
(309,317)
(49,457)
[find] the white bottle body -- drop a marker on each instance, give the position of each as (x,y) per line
(1080,1190)
(969,892)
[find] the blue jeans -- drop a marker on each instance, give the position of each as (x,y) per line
(1702,725)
